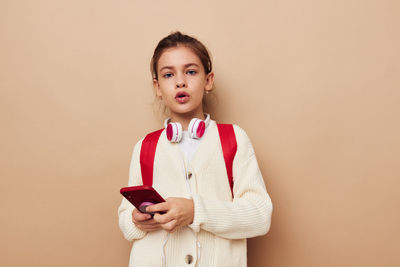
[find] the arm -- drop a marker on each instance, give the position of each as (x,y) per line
(128,228)
(249,214)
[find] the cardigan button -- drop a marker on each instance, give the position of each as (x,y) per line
(189,259)
(189,175)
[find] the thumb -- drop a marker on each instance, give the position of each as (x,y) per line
(163,206)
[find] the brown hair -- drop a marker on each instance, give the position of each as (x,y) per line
(175,39)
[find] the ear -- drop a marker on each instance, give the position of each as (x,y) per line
(156,87)
(209,82)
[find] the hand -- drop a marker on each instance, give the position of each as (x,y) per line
(144,221)
(178,212)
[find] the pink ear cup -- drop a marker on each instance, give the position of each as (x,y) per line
(197,128)
(169,132)
(174,132)
(201,129)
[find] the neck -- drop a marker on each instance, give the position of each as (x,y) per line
(184,119)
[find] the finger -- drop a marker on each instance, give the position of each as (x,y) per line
(163,206)
(148,225)
(153,229)
(149,228)
(163,218)
(148,222)
(170,226)
(138,216)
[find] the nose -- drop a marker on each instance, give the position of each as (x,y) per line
(180,84)
(180,81)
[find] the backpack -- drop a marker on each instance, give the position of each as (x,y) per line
(149,145)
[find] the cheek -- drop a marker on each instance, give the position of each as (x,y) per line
(165,86)
(199,83)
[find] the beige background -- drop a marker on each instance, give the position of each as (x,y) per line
(314,83)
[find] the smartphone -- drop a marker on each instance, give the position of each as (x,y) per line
(141,196)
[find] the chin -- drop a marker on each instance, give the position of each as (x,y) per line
(185,111)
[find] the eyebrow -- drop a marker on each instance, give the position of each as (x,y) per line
(186,66)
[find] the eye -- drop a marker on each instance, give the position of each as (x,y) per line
(191,72)
(167,75)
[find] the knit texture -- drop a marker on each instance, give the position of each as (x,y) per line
(221,224)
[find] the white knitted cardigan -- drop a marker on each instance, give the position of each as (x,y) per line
(221,224)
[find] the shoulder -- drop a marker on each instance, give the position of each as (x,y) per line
(240,133)
(244,145)
(136,149)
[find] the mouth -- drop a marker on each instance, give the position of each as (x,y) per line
(182,97)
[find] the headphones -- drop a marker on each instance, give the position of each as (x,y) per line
(196,129)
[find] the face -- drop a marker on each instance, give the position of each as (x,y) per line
(182,82)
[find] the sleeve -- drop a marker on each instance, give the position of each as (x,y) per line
(249,213)
(128,228)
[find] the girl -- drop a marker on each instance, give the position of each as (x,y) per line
(204,221)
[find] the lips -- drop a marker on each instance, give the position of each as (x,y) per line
(182,97)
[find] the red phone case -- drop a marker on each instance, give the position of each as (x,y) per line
(142,194)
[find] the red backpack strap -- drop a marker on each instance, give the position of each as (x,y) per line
(147,153)
(229,147)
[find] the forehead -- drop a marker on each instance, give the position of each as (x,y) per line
(178,56)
